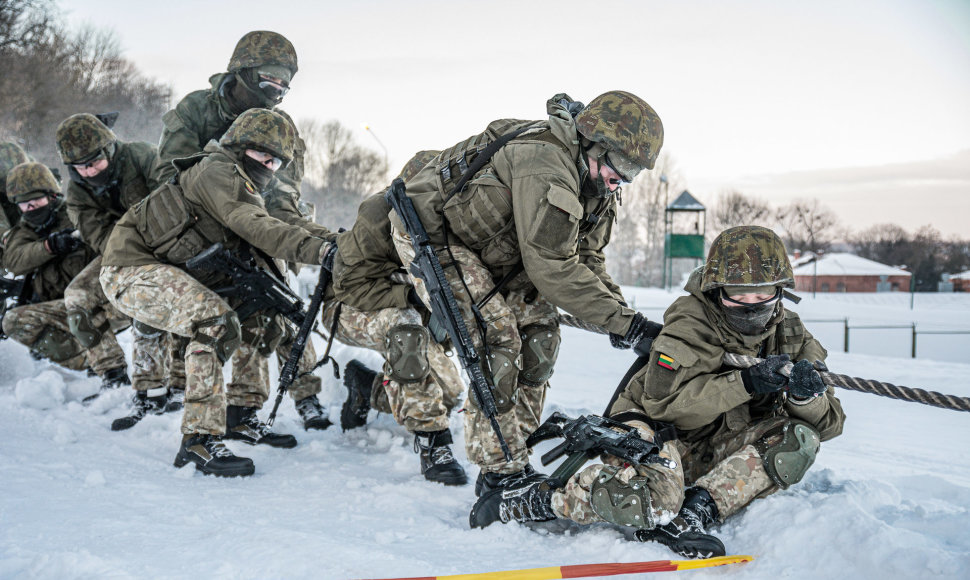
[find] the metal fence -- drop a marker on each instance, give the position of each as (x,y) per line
(914,332)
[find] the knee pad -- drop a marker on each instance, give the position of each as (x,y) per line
(82,327)
(228,342)
(267,340)
(540,349)
(788,451)
(503,366)
(145,330)
(57,345)
(626,504)
(407,353)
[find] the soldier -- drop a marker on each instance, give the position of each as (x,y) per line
(740,434)
(544,206)
(11,155)
(258,76)
(216,200)
(107,177)
(379,310)
(45,248)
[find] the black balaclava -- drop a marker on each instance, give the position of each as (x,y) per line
(259,173)
(749,319)
(41,218)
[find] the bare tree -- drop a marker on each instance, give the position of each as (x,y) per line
(734,208)
(807,225)
(339,172)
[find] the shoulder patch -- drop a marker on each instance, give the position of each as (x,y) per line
(666,361)
(249,187)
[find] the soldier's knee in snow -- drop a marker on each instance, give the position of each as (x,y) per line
(407,353)
(540,349)
(788,451)
(56,345)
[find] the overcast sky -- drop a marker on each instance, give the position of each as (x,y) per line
(749,91)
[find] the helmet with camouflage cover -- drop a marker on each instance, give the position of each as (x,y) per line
(263,130)
(11,155)
(82,136)
(29,181)
(627,127)
(416,164)
(747,256)
(263,48)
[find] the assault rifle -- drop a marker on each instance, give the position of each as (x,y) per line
(444,306)
(587,437)
(11,289)
(253,288)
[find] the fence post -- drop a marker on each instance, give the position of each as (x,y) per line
(914,340)
(845,342)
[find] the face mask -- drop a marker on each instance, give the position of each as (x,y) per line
(100,180)
(40,217)
(750,318)
(259,173)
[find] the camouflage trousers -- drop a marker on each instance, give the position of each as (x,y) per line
(169,299)
(726,465)
(43,328)
(152,353)
(505,315)
(157,359)
(250,384)
(418,406)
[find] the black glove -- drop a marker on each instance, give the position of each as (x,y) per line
(764,378)
(328,257)
(414,300)
(63,242)
(804,381)
(640,328)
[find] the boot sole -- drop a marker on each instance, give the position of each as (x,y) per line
(249,441)
(243,471)
(456,480)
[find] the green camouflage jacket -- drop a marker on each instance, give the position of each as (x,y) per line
(525,205)
(95,215)
(24,253)
(692,388)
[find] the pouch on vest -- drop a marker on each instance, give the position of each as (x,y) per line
(165,222)
(481,217)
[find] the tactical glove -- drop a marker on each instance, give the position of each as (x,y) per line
(805,382)
(640,329)
(764,378)
(414,300)
(328,256)
(63,242)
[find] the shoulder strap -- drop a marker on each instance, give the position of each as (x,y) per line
(483,158)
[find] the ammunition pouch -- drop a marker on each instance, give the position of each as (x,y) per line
(228,342)
(788,450)
(407,353)
(626,504)
(168,226)
(540,349)
(83,328)
(56,345)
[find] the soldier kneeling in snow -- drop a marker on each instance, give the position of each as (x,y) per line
(740,434)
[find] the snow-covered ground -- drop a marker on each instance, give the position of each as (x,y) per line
(890,498)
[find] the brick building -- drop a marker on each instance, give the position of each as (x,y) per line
(961,281)
(841,272)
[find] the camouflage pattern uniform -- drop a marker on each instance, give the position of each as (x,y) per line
(370,284)
(94,208)
(42,324)
(723,431)
(535,203)
(205,115)
(214,200)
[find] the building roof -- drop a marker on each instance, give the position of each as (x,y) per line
(842,264)
(685,202)
(961,276)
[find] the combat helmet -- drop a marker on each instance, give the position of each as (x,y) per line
(263,130)
(261,48)
(81,137)
(416,164)
(627,127)
(11,155)
(29,181)
(747,256)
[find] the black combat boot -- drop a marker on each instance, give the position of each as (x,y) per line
(313,414)
(243,424)
(525,500)
(111,379)
(143,403)
(685,534)
(437,462)
(175,401)
(211,456)
(359,381)
(487,481)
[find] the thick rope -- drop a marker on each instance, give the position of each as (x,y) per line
(910,394)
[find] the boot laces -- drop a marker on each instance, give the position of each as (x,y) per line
(217,448)
(442,455)
(524,505)
(309,408)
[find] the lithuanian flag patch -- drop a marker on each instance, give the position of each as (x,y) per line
(665,361)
